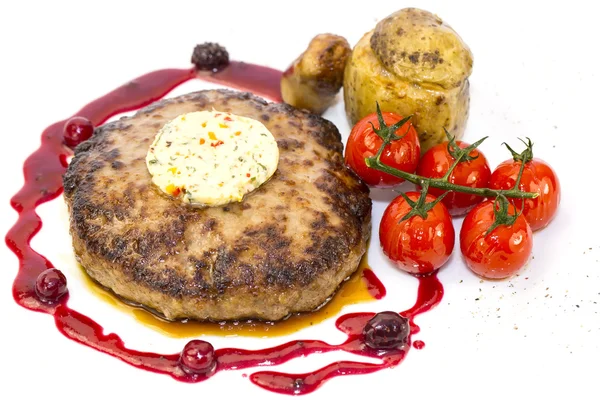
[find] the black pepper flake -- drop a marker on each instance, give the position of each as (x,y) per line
(414,57)
(210,56)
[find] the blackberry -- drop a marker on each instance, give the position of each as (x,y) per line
(210,56)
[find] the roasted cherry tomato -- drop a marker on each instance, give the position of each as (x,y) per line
(537,177)
(473,173)
(416,245)
(402,154)
(502,252)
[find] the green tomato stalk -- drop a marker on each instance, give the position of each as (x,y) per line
(387,134)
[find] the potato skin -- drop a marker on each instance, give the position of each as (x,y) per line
(316,76)
(426,78)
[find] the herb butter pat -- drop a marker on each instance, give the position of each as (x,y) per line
(212,158)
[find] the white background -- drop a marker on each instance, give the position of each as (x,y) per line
(535,74)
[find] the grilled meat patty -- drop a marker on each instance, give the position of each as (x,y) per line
(285,248)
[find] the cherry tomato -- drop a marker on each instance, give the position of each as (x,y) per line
(537,177)
(401,154)
(502,252)
(472,173)
(416,245)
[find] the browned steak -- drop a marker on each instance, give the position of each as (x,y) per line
(284,249)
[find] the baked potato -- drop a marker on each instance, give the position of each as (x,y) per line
(315,77)
(412,63)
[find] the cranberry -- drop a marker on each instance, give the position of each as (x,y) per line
(51,285)
(77,130)
(386,330)
(198,357)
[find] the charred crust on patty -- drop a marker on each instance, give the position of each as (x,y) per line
(215,263)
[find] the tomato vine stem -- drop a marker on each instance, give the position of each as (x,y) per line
(421,207)
(387,134)
(524,158)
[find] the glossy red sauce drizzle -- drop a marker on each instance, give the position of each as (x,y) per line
(374,285)
(43,172)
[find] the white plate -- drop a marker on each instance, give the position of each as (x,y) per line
(534,75)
